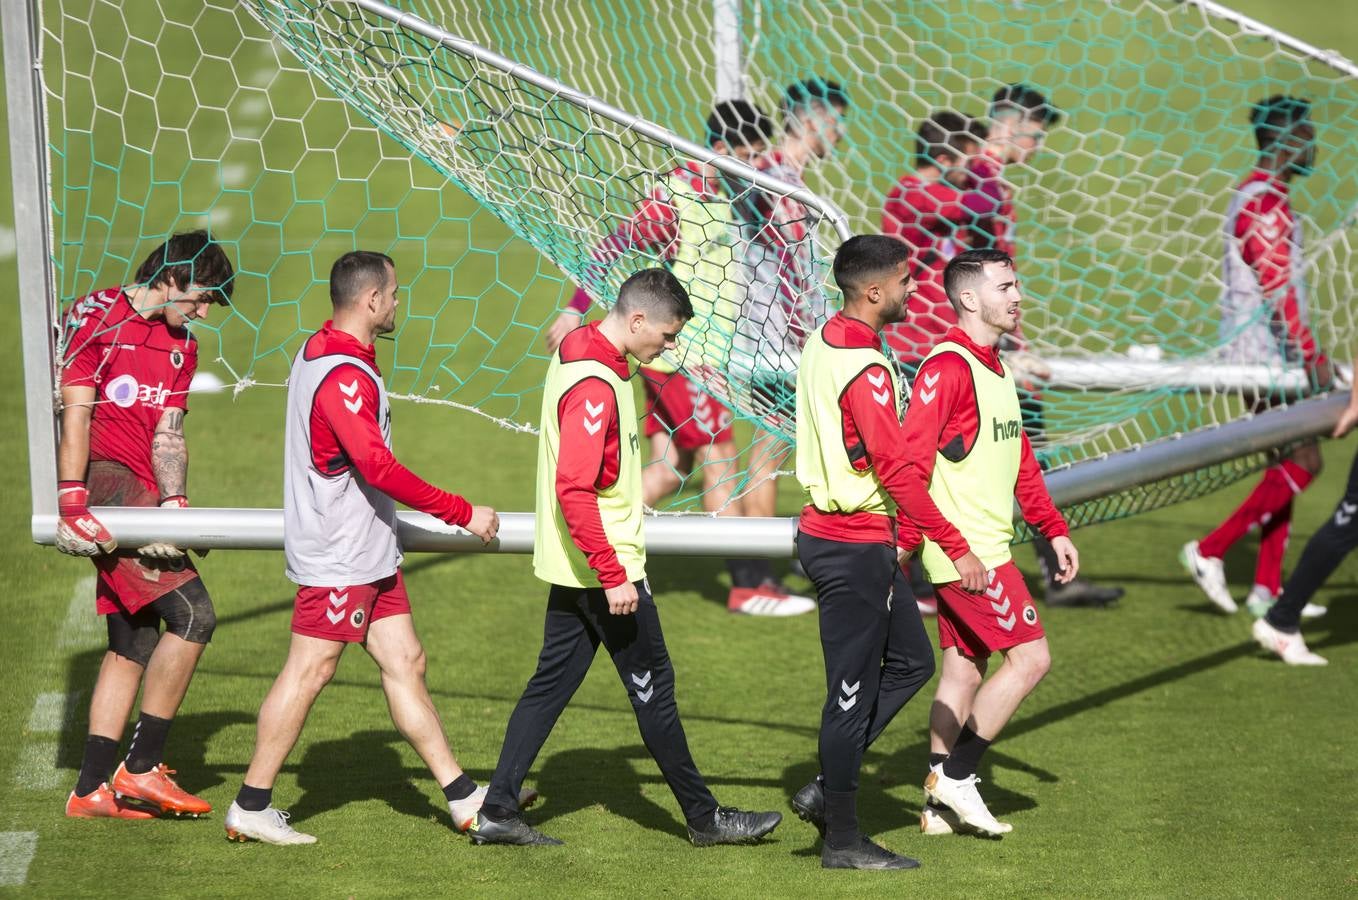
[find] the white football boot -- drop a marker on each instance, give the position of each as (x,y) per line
(1261,599)
(960,795)
(1210,575)
(268,825)
(1290,648)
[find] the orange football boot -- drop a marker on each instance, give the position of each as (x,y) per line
(102,803)
(159,789)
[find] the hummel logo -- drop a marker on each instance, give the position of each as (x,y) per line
(1001,608)
(931,379)
(878,380)
(338,600)
(591,420)
(850,697)
(995,592)
(1006,624)
(882,397)
(334,617)
(349,389)
(641,681)
(927,397)
(1344,514)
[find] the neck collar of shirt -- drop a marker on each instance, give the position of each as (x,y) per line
(602,349)
(858,333)
(343,341)
(1274,182)
(989,356)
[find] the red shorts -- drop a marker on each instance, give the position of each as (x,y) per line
(1001,617)
(127,582)
(679,408)
(344,613)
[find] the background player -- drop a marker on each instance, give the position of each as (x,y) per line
(1264,319)
(1279,629)
(851,466)
(688,221)
(1020,117)
(124,392)
(967,459)
(341,484)
(785,301)
(589,549)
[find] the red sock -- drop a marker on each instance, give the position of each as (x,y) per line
(1268,569)
(1275,490)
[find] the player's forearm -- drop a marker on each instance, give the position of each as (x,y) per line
(1035,503)
(386,473)
(920,509)
(73,452)
(170,455)
(580,509)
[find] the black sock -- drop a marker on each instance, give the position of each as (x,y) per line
(966,754)
(936,758)
(253,799)
(100,752)
(148,743)
(746,573)
(460,788)
(841,819)
(497,813)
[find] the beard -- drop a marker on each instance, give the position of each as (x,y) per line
(1000,319)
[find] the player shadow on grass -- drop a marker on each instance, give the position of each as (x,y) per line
(366,765)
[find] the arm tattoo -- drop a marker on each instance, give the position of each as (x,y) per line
(170,454)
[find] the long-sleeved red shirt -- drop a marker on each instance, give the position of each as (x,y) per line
(589,457)
(870,411)
(1265,231)
(943,417)
(345,431)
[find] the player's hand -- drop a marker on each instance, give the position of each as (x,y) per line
(1320,372)
(565,323)
(165,549)
(1348,418)
(485,523)
(1067,559)
(903,556)
(79,533)
(622,599)
(972,570)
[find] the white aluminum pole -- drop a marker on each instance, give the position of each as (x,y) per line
(262,529)
(727,50)
(20,21)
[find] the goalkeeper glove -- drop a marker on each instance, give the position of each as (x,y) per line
(79,533)
(164,549)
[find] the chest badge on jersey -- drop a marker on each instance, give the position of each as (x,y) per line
(176,358)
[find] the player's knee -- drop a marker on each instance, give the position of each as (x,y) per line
(1036,664)
(188,612)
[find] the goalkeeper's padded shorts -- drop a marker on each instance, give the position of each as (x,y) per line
(127,582)
(343,613)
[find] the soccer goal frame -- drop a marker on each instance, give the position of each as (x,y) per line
(696,535)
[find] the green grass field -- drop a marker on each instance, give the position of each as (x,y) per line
(1164,755)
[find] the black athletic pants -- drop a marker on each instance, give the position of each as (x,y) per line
(877,653)
(577,621)
(1322,555)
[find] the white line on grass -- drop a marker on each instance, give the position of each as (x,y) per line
(16,852)
(82,627)
(51,712)
(36,768)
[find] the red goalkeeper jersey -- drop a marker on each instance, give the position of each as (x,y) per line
(138,368)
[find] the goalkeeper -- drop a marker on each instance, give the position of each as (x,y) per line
(124,391)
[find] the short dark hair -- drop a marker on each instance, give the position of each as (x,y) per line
(738,123)
(190,258)
(803,95)
(864,257)
(357,271)
(964,268)
(656,292)
(1275,116)
(944,133)
(1026,100)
